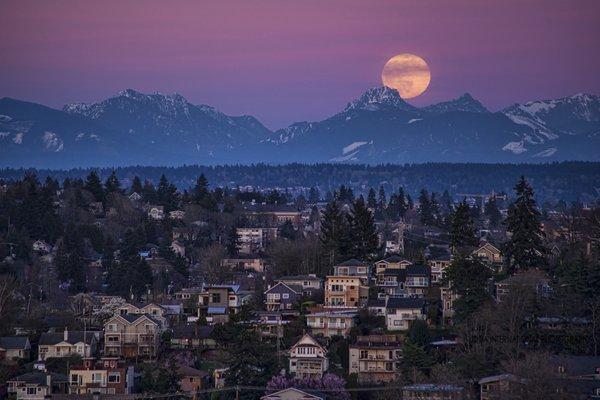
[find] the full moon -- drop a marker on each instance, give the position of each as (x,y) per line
(408,74)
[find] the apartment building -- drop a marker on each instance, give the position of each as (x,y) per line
(105,376)
(131,336)
(329,323)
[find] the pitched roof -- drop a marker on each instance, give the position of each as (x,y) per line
(419,270)
(351,263)
(577,365)
(14,342)
(52,338)
(299,395)
(299,277)
(405,302)
(39,378)
(294,288)
(395,259)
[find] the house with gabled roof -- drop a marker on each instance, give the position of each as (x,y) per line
(489,254)
(37,385)
(308,359)
(282,297)
(131,336)
(14,348)
(66,343)
(292,394)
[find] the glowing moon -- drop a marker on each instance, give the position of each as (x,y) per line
(407,73)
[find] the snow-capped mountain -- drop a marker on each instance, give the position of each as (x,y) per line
(377,127)
(465,103)
(551,119)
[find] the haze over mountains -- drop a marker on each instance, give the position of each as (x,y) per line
(378,127)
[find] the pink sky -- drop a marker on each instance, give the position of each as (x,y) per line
(285,61)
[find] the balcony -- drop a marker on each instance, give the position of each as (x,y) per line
(315,324)
(336,325)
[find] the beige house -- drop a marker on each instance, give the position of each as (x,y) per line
(401,312)
(374,358)
(131,336)
(489,255)
(331,323)
(346,291)
(13,348)
(308,359)
(107,376)
(154,310)
(66,343)
(36,385)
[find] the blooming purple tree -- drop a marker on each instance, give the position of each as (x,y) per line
(333,385)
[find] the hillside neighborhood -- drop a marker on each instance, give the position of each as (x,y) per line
(123,289)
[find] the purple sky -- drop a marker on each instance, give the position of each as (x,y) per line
(286,61)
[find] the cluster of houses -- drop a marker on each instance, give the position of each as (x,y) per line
(120,332)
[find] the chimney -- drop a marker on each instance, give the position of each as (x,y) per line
(66,334)
(49,382)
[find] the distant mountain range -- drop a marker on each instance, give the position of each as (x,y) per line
(133,128)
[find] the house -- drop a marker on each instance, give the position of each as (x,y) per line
(135,197)
(251,240)
(418,278)
(308,359)
(41,246)
(391,283)
(156,212)
(217,302)
(535,279)
(270,323)
(96,208)
(13,348)
(131,336)
(192,379)
(492,387)
(66,343)
(392,262)
(178,248)
(255,264)
(401,312)
(156,311)
(329,323)
(430,391)
(375,358)
(346,291)
(105,376)
(376,307)
(489,255)
(353,267)
(37,385)
(177,214)
(192,336)
(310,284)
(438,259)
(579,375)
(292,394)
(282,297)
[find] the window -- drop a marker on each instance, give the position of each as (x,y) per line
(364,354)
(114,377)
(112,327)
(112,338)
(285,296)
(96,377)
(31,390)
(215,297)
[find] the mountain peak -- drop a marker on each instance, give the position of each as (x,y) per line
(375,97)
(465,103)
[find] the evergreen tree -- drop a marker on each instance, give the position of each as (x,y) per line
(362,230)
(446,202)
(334,231)
(149,192)
(525,248)
(462,231)
(166,194)
(371,199)
(425,208)
(202,196)
(468,278)
(492,213)
(382,198)
(136,186)
(313,195)
(112,183)
(94,186)
(233,242)
(70,259)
